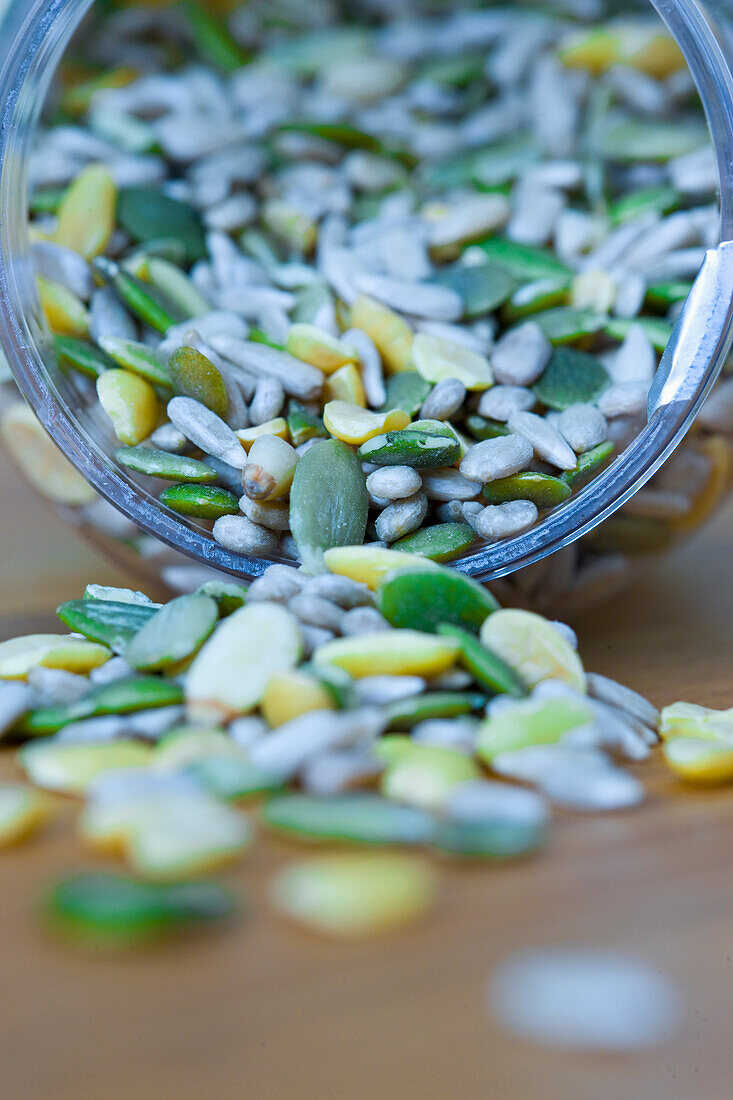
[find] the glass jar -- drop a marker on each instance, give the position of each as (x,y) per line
(583,551)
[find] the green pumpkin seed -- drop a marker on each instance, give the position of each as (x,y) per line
(523,262)
(664,295)
(303,425)
(204,501)
(636,141)
(340,133)
(139,358)
(531,722)
(144,301)
(257,336)
(146,213)
(588,464)
(193,375)
(538,297)
(542,489)
(111,622)
(228,596)
(655,200)
(170,467)
(657,329)
(174,633)
(46,200)
(212,39)
(81,356)
(422,599)
(120,595)
(500,839)
(328,502)
(481,428)
(411,448)
(104,910)
(166,248)
(406,713)
(571,377)
(504,161)
(177,287)
(482,288)
(457,71)
(406,390)
(565,324)
(230,777)
(118,697)
(441,542)
(358,818)
(486,668)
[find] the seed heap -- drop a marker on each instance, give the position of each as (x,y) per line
(383,702)
(423,339)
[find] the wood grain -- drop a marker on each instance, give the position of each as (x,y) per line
(260,1010)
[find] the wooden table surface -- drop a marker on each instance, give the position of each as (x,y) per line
(261,1010)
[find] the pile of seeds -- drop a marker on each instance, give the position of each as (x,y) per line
(387,701)
(343,279)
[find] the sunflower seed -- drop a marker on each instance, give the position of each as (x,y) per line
(206,430)
(495,458)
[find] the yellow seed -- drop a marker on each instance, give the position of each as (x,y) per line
(130,403)
(437,358)
(691,721)
(700,762)
(530,722)
(355,425)
(318,348)
(390,653)
(290,694)
(392,336)
(270,467)
(424,775)
(70,768)
(532,646)
(594,290)
(657,55)
(345,384)
(595,51)
(368,564)
(86,216)
(22,811)
(65,313)
(19,655)
(43,464)
(190,744)
(278,427)
(355,894)
(639,47)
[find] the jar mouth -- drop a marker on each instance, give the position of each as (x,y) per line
(697,352)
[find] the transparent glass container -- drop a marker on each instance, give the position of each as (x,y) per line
(574,554)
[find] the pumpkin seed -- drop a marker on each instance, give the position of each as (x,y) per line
(86,213)
(146,213)
(571,378)
(328,502)
(195,376)
(657,329)
(71,768)
(407,391)
(140,359)
(349,137)
(212,39)
(143,301)
(172,634)
(664,295)
(356,818)
(588,464)
(81,356)
(565,324)
(231,778)
(111,622)
(231,671)
(204,501)
(542,489)
(19,655)
(481,428)
(523,262)
(390,653)
(419,449)
(637,140)
(657,200)
(227,595)
(424,598)
(486,668)
(530,722)
(532,647)
(406,713)
(424,775)
(96,909)
(499,839)
(163,464)
(352,895)
(117,697)
(441,542)
(176,287)
(302,424)
(482,288)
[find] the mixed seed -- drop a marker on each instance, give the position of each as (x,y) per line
(424,339)
(384,702)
